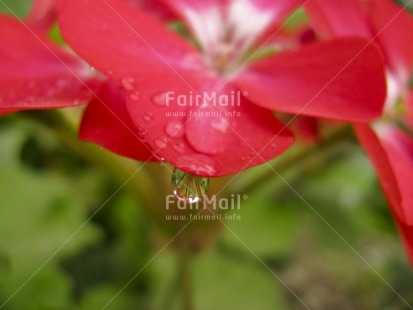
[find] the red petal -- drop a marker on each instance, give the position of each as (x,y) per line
(394,26)
(106,122)
(391,24)
(340,79)
(43,14)
(35,74)
(152,62)
(156,8)
(407,234)
(207,144)
(399,148)
(391,151)
(377,153)
(126,42)
(339,18)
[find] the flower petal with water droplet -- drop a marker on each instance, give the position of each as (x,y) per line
(36,74)
(106,122)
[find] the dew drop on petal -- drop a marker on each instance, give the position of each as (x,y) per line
(246,158)
(142,134)
(160,99)
(128,84)
(179,147)
(158,157)
(135,96)
(148,117)
(161,142)
(175,129)
(189,188)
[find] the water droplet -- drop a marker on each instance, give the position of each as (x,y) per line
(189,188)
(179,147)
(61,83)
(175,129)
(135,96)
(220,124)
(148,117)
(158,157)
(142,134)
(128,84)
(161,99)
(161,142)
(245,158)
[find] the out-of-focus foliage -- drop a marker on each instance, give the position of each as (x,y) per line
(19,8)
(311,243)
(41,222)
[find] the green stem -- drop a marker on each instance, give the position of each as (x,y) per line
(185,271)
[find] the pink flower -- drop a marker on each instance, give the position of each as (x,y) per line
(389,146)
(161,72)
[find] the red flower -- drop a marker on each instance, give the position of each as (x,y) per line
(43,14)
(389,146)
(37,74)
(153,64)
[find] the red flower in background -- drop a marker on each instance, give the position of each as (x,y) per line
(43,14)
(389,145)
(152,63)
(37,74)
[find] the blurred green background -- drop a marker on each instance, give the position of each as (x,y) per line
(71,239)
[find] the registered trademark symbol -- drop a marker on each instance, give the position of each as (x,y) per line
(245,197)
(245,93)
